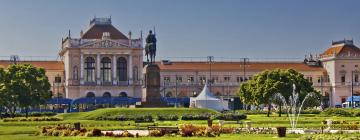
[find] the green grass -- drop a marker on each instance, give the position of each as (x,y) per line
(92,115)
(24,130)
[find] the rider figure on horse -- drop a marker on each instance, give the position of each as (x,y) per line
(150,47)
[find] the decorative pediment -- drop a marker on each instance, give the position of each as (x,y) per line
(106,44)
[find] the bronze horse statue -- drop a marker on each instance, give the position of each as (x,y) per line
(150,47)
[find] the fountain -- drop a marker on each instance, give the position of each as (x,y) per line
(293,107)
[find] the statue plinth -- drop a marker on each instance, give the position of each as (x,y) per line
(151,88)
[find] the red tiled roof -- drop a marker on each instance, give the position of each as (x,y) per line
(341,49)
(96,32)
(47,65)
(237,66)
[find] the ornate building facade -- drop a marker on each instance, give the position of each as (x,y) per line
(102,62)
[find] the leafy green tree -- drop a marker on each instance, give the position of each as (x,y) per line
(262,88)
(24,86)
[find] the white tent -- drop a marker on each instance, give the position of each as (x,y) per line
(207,100)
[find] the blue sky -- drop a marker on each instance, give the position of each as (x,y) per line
(186,28)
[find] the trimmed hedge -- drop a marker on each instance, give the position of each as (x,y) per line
(196,117)
(337,112)
(231,117)
(32,119)
(167,117)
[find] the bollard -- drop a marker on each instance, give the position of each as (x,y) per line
(281,131)
(210,122)
(77,126)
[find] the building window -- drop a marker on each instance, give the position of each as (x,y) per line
(319,80)
(215,79)
(309,79)
(191,79)
(343,79)
(106,69)
(343,66)
(179,79)
(202,79)
(75,73)
(168,94)
(227,78)
(356,78)
(356,66)
(89,69)
(123,94)
(121,69)
(107,95)
(167,79)
(90,95)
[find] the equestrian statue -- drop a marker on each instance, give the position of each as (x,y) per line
(150,47)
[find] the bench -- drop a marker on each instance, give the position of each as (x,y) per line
(167,129)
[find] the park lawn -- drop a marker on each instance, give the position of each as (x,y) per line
(92,115)
(25,130)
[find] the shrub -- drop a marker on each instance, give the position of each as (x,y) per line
(66,132)
(336,112)
(167,118)
(144,118)
(227,130)
(109,134)
(96,132)
(56,133)
(75,133)
(311,111)
(195,117)
(188,130)
(157,133)
(126,134)
(252,112)
(123,118)
(231,116)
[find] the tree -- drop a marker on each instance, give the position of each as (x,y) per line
(24,86)
(263,87)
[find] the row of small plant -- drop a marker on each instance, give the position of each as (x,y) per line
(140,118)
(149,118)
(283,111)
(341,112)
(329,137)
(65,130)
(31,114)
(23,119)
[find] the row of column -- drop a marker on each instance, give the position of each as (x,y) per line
(114,75)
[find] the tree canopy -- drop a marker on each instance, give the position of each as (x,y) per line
(23,86)
(262,88)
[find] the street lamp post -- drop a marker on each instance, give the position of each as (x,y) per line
(352,89)
(57,84)
(245,60)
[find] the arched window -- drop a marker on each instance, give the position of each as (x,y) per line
(90,95)
(168,94)
(121,69)
(106,69)
(123,94)
(75,73)
(218,94)
(90,69)
(107,95)
(136,73)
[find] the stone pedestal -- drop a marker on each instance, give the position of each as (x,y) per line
(151,88)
